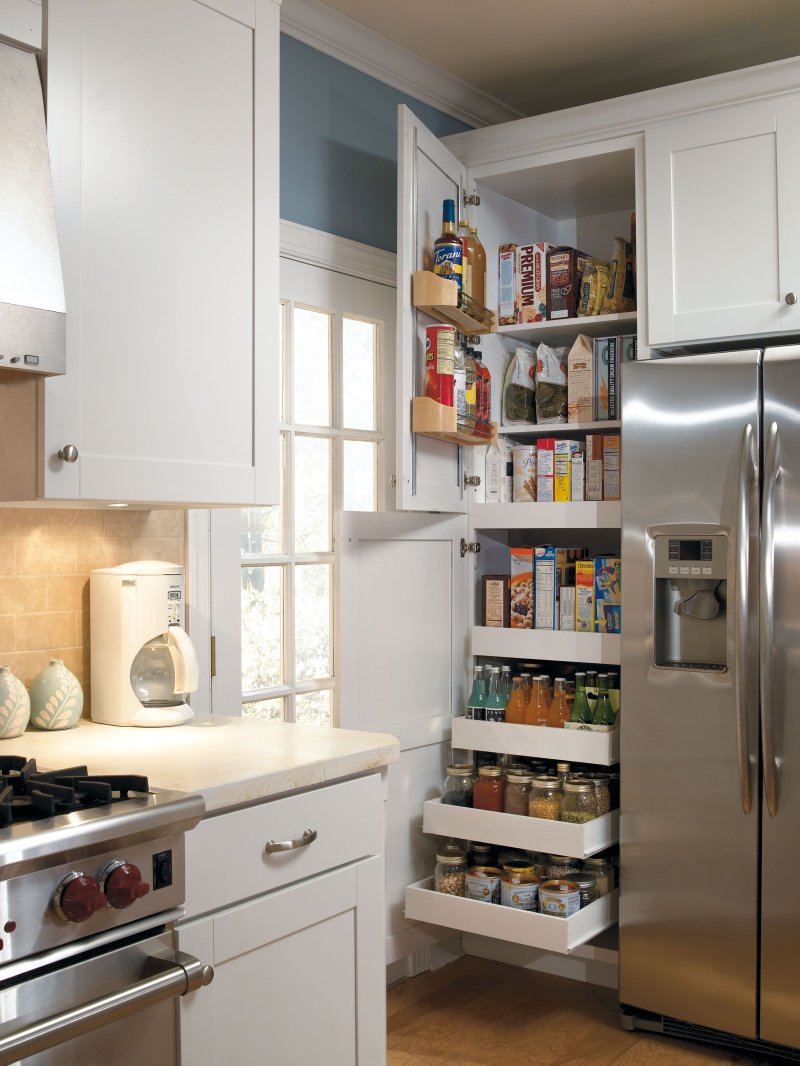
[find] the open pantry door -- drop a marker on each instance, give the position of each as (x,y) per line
(402,634)
(430,473)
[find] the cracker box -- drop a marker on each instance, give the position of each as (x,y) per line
(545,587)
(594,467)
(584,595)
(629,351)
(611,466)
(580,380)
(577,476)
(566,607)
(605,377)
(564,269)
(532,282)
(607,588)
(507,284)
(545,469)
(521,583)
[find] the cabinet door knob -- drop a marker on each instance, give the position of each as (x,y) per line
(68,454)
(791,298)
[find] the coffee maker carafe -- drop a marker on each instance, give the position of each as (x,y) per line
(143,663)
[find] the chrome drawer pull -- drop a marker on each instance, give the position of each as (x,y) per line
(308,837)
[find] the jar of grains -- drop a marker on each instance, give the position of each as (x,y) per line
(518,787)
(579,802)
(602,792)
(603,873)
(587,883)
(489,788)
(561,866)
(458,785)
(545,798)
(449,874)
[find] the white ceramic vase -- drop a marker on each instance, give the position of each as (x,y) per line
(15,705)
(56,698)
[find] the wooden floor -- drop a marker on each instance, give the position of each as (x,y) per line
(478,1013)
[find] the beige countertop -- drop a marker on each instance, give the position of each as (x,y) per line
(229,761)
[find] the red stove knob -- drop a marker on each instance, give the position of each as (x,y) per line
(123,885)
(78,897)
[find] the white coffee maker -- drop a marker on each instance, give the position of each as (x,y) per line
(143,663)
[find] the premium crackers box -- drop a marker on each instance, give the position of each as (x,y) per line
(606,362)
(507,287)
(584,595)
(629,349)
(607,588)
(545,587)
(611,466)
(521,585)
(532,281)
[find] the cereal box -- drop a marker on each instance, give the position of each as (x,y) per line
(545,469)
(594,467)
(546,587)
(564,269)
(584,595)
(532,282)
(607,588)
(580,380)
(521,588)
(566,607)
(611,467)
(507,284)
(562,467)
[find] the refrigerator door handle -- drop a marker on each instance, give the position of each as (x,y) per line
(771,475)
(747,473)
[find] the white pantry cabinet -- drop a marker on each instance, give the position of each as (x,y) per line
(163,131)
(296,938)
(723,224)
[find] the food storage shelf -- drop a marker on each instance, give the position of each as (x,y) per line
(561,935)
(433,419)
(537,742)
(438,298)
(564,330)
(558,429)
(517,831)
(551,645)
(577,515)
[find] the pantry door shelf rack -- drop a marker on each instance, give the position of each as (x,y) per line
(580,514)
(550,645)
(517,831)
(543,931)
(561,331)
(433,419)
(437,297)
(537,742)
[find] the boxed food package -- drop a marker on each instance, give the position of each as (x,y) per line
(607,588)
(564,269)
(594,467)
(562,469)
(545,469)
(605,377)
(496,601)
(532,281)
(521,588)
(507,284)
(612,612)
(584,595)
(611,466)
(577,477)
(629,351)
(524,459)
(545,587)
(580,380)
(566,607)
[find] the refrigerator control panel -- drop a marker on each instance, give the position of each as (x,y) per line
(686,557)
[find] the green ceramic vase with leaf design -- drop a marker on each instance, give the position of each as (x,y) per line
(15,706)
(56,698)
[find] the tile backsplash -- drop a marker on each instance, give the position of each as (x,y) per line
(46,555)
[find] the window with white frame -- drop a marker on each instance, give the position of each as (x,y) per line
(331,451)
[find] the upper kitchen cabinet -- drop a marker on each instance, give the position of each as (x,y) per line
(723,224)
(163,134)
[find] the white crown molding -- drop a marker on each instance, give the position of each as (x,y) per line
(326,250)
(351,42)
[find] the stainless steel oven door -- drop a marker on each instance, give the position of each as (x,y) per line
(112,1005)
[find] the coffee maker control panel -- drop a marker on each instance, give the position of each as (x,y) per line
(175,606)
(684,557)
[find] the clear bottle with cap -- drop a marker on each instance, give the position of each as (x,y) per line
(495,704)
(476,705)
(560,710)
(537,709)
(505,682)
(603,713)
(515,708)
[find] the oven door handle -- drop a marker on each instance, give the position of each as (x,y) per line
(172,978)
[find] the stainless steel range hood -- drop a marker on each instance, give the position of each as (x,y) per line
(32,309)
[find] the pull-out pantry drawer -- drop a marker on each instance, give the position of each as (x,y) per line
(227,858)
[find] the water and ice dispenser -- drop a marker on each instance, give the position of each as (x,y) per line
(690,604)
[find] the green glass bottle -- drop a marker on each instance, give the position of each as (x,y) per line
(581,711)
(476,708)
(603,711)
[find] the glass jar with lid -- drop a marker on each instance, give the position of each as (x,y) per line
(545,798)
(602,790)
(489,789)
(482,854)
(559,866)
(450,872)
(587,883)
(458,785)
(518,787)
(603,872)
(579,801)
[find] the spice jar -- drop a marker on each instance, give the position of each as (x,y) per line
(561,866)
(587,883)
(449,873)
(518,787)
(603,873)
(545,798)
(458,785)
(579,802)
(489,789)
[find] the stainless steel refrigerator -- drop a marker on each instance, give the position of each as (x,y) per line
(710,903)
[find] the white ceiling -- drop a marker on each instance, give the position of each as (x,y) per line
(544,55)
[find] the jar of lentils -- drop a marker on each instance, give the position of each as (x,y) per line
(579,802)
(518,787)
(559,866)
(545,798)
(458,785)
(450,872)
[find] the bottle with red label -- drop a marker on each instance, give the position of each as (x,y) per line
(439,357)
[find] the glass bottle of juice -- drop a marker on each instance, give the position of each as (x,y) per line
(603,711)
(478,268)
(484,393)
(515,708)
(469,256)
(581,711)
(495,704)
(476,706)
(559,708)
(537,708)
(528,683)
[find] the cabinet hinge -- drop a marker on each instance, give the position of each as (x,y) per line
(472,481)
(469,546)
(213,656)
(473,200)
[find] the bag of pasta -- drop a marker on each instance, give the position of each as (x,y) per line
(551,384)
(519,389)
(615,297)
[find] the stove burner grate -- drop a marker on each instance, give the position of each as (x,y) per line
(27,794)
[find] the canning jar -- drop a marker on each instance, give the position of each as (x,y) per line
(579,802)
(539,863)
(518,787)
(561,866)
(603,872)
(602,791)
(450,872)
(545,798)
(458,785)
(587,883)
(489,788)
(481,854)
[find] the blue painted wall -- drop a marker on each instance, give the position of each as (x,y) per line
(339,146)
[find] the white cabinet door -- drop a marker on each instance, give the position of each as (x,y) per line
(163,131)
(723,224)
(430,473)
(299,977)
